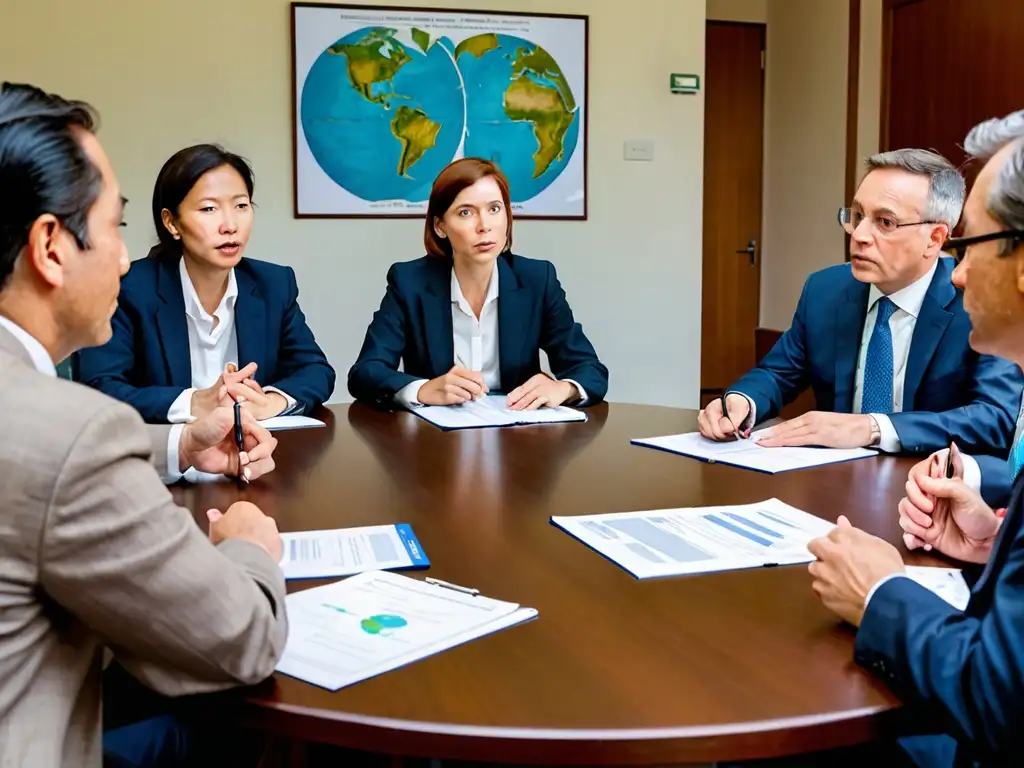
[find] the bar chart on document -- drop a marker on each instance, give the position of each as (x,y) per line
(675,542)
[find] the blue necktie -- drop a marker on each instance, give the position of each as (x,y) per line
(1016,460)
(878,369)
(1016,457)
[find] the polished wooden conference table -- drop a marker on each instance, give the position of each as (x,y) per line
(614,671)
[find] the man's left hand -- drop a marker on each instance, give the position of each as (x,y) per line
(208,444)
(850,562)
(820,428)
(538,391)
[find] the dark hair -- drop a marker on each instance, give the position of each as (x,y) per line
(43,167)
(176,179)
(458,175)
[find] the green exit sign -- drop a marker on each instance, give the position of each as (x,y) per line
(684,83)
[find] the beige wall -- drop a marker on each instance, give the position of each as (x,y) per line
(805,148)
(738,10)
(165,75)
(869,104)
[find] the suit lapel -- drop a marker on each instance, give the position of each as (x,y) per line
(513,308)
(250,324)
(437,316)
(850,313)
(931,324)
(172,325)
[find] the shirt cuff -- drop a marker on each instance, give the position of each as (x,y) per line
(290,400)
(180,411)
(751,420)
(879,583)
(580,391)
(972,473)
(888,441)
(172,474)
(408,395)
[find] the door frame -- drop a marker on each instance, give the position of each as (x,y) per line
(888,9)
(852,106)
(710,393)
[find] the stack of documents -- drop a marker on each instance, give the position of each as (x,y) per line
(345,551)
(947,583)
(490,411)
(673,542)
(749,455)
(355,629)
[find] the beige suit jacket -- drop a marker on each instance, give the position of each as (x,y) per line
(94,553)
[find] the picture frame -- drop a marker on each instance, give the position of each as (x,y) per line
(383,98)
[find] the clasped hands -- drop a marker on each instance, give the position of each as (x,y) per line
(938,513)
(818,428)
(460,385)
(238,385)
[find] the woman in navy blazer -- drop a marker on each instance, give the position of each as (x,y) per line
(471,317)
(197,325)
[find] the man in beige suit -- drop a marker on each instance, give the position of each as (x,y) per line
(93,552)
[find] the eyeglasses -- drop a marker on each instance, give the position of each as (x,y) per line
(958,245)
(850,219)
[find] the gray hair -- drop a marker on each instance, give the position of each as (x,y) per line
(946,187)
(1006,196)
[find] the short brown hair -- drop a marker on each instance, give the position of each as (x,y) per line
(458,175)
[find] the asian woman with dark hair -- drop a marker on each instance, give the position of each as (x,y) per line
(197,324)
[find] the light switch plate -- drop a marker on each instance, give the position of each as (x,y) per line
(638,149)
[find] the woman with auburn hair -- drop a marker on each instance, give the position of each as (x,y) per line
(471,317)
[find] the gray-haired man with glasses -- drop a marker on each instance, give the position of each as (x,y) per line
(961,671)
(883,340)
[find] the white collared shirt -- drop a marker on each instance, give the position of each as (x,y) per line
(40,357)
(43,363)
(475,341)
(908,303)
(212,343)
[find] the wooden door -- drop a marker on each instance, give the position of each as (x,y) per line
(947,65)
(733,135)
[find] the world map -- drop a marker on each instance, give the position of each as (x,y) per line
(385,109)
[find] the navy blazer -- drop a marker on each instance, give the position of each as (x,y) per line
(964,670)
(949,391)
(414,326)
(147,363)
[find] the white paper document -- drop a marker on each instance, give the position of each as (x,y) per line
(377,621)
(749,455)
(490,411)
(277,423)
(345,551)
(947,583)
(673,542)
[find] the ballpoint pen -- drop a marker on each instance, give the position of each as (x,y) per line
(239,440)
(725,412)
(449,585)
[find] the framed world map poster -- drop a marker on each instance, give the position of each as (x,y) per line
(384,98)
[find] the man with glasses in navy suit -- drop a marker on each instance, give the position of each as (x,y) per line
(962,672)
(883,340)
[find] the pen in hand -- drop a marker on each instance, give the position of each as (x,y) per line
(239,440)
(725,412)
